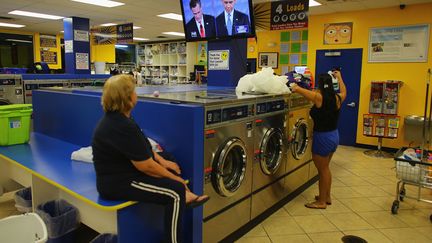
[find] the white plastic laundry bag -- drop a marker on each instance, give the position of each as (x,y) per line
(263,81)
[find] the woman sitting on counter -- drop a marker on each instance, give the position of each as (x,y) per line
(126,166)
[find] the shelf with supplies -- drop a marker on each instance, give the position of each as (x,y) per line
(166,63)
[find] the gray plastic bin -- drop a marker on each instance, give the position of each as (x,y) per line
(61,219)
(23,200)
(413,128)
(105,238)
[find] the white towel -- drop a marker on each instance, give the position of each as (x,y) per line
(83,154)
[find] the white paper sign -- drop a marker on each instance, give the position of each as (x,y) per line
(81,35)
(82,61)
(218,60)
(68,46)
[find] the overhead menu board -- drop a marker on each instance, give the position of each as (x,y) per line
(399,44)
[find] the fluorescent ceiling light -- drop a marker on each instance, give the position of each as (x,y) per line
(140,39)
(36,15)
(103,3)
(121,46)
(313,3)
(11,25)
(108,24)
(16,40)
(136,27)
(174,33)
(171,16)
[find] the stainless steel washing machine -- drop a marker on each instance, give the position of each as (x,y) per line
(299,136)
(228,156)
(11,90)
(270,156)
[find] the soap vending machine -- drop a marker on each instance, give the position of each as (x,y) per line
(384,97)
(376,101)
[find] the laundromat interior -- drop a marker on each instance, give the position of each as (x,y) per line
(218,96)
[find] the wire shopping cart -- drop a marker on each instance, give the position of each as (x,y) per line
(413,173)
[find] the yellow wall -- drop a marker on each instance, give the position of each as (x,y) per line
(413,75)
(37,49)
(269,41)
(102,53)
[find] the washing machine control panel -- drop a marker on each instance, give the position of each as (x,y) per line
(270,106)
(224,114)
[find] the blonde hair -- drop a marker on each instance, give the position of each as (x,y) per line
(117,93)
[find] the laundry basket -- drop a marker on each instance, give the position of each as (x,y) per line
(24,228)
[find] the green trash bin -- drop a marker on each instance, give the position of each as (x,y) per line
(15,124)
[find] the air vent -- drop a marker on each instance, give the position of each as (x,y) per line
(6,18)
(161,37)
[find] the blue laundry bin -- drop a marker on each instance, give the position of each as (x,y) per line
(61,219)
(105,238)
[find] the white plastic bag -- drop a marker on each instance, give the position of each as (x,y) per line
(263,81)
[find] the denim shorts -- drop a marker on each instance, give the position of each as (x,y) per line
(325,143)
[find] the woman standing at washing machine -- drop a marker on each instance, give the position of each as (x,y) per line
(325,114)
(126,166)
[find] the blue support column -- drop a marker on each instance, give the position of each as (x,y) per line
(237,63)
(77,45)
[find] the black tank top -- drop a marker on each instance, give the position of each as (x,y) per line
(325,120)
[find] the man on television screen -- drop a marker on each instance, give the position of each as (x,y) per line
(231,21)
(201,25)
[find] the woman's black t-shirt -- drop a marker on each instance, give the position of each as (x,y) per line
(325,120)
(117,140)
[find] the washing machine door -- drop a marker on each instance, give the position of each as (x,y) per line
(271,150)
(229,167)
(299,139)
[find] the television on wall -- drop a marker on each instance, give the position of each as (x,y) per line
(217,19)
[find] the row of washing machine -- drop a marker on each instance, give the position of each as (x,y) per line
(257,152)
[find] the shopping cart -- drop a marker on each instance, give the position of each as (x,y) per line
(413,173)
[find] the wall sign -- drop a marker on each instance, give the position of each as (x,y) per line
(48,41)
(82,61)
(291,14)
(68,46)
(218,60)
(399,43)
(49,57)
(108,35)
(268,59)
(81,35)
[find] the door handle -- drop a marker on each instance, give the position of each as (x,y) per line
(352,104)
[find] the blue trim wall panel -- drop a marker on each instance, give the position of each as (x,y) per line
(69,25)
(237,63)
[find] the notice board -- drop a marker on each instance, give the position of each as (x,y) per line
(399,44)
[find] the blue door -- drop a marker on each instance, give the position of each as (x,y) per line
(350,62)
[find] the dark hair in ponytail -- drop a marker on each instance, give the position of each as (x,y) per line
(325,86)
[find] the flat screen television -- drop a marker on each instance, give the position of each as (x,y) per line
(217,19)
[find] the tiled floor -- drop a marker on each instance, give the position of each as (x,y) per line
(363,191)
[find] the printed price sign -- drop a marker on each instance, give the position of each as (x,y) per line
(289,14)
